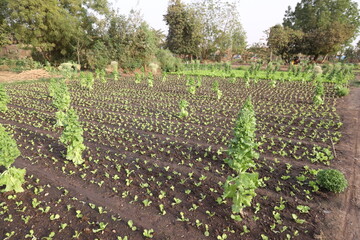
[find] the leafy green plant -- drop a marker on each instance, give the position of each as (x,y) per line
(148,233)
(72,137)
(12,177)
(4,99)
(332,180)
(341,90)
(61,95)
(183,104)
(8,148)
(241,188)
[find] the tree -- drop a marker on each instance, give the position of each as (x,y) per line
(284,41)
(352,54)
(145,45)
(328,25)
(56,28)
(184,35)
(221,27)
(238,40)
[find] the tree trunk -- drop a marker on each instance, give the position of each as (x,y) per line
(324,58)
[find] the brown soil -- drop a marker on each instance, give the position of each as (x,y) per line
(6,76)
(342,214)
(337,213)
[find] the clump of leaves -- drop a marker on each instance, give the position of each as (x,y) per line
(87,80)
(241,188)
(318,98)
(332,180)
(12,177)
(60,93)
(4,99)
(342,90)
(183,104)
(72,137)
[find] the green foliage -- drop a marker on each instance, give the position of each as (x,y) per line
(183,104)
(97,57)
(327,24)
(342,90)
(184,35)
(60,118)
(220,28)
(72,137)
(242,147)
(150,79)
(61,95)
(241,189)
(332,180)
(87,80)
(318,100)
(284,41)
(4,99)
(168,62)
(8,148)
(19,65)
(56,30)
(12,178)
(241,158)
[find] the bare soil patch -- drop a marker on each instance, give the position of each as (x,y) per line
(6,76)
(342,214)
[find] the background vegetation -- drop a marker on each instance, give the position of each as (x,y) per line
(92,34)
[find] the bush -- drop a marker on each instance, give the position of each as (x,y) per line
(98,57)
(154,67)
(332,180)
(318,70)
(168,62)
(342,91)
(69,67)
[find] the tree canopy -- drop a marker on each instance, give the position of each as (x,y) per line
(328,25)
(284,41)
(184,35)
(204,28)
(55,28)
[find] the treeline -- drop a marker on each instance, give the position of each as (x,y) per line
(92,34)
(316,28)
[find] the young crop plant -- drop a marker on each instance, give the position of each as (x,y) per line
(61,95)
(102,76)
(318,98)
(150,80)
(72,137)
(332,180)
(4,99)
(183,104)
(87,80)
(241,155)
(138,78)
(341,90)
(216,89)
(12,178)
(61,100)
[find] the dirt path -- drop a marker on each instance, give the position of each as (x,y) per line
(343,212)
(6,76)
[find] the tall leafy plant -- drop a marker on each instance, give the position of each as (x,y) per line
(241,155)
(4,99)
(72,137)
(12,178)
(61,99)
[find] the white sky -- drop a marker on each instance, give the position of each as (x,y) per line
(256,16)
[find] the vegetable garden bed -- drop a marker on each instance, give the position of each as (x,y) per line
(150,174)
